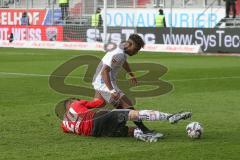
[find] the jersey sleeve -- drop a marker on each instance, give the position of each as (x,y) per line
(96,103)
(112,60)
(79,107)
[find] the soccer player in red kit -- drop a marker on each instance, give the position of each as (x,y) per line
(82,118)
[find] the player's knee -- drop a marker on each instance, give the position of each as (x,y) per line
(124,105)
(128,103)
(132,108)
(119,107)
(133,115)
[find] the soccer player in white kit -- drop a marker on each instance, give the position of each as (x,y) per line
(104,81)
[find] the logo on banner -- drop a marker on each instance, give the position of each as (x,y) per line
(51,33)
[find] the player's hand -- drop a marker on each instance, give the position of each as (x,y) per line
(133,80)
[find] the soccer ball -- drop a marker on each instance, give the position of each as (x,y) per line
(194,130)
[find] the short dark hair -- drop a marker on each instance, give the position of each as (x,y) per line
(98,9)
(160,11)
(69,101)
(137,40)
(24,14)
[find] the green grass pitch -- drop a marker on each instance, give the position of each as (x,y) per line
(209,86)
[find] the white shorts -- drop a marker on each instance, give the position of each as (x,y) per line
(105,92)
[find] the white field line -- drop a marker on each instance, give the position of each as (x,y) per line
(5,74)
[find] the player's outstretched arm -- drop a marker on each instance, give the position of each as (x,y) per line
(126,66)
(133,79)
(95,103)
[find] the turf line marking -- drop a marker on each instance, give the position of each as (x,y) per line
(32,75)
(78,77)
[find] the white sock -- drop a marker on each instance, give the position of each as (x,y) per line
(151,115)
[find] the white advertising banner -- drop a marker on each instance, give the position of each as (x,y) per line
(97,46)
(53,45)
(180,17)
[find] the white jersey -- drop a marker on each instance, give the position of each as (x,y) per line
(114,59)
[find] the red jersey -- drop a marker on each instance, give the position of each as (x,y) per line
(78,118)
